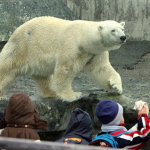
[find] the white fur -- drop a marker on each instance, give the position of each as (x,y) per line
(52,51)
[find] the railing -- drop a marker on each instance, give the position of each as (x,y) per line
(21,144)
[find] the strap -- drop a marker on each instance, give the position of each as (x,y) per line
(20,126)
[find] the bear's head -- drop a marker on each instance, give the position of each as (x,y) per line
(112,34)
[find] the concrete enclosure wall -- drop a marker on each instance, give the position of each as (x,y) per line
(14,13)
(136,14)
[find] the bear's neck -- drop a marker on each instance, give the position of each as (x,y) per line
(94,48)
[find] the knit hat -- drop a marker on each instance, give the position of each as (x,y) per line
(109,112)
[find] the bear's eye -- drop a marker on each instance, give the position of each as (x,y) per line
(113,30)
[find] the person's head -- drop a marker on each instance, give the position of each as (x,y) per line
(109,112)
(19,105)
(79,127)
(22,110)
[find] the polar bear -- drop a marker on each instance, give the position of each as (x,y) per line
(53,50)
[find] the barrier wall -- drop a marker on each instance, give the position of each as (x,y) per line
(24,144)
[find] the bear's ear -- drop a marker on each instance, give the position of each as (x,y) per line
(122,23)
(100,27)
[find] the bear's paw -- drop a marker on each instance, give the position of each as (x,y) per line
(114,86)
(3,98)
(69,96)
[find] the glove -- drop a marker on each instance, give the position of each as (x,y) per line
(140,104)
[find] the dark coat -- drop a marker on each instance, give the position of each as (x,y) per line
(79,130)
(1,115)
(21,118)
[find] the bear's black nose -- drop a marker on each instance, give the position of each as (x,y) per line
(123,38)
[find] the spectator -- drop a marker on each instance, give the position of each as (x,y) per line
(110,115)
(79,130)
(21,118)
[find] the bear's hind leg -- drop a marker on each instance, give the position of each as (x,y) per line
(43,85)
(6,79)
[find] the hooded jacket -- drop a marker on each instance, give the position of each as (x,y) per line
(79,130)
(21,118)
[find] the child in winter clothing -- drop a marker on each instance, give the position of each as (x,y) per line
(110,115)
(79,130)
(21,118)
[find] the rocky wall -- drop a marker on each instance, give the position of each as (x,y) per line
(13,13)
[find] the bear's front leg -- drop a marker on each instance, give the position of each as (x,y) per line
(115,83)
(62,78)
(101,71)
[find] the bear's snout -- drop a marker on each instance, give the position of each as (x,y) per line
(123,38)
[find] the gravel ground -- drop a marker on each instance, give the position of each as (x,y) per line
(141,70)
